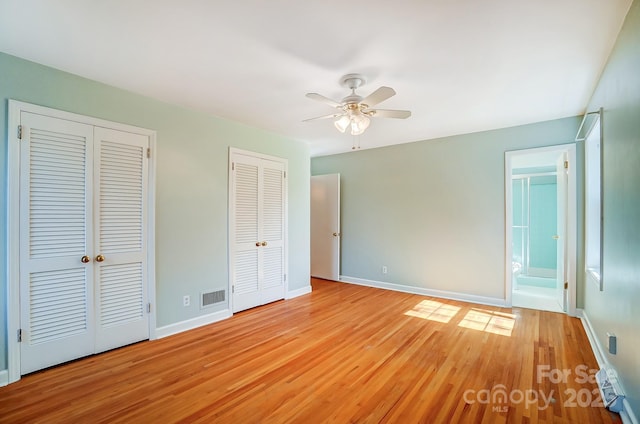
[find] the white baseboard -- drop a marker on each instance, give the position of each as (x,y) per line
(627,415)
(4,378)
(179,327)
(598,350)
(190,324)
(298,292)
(483,300)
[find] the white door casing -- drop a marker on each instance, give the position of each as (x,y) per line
(81,193)
(257,229)
(570,254)
(325,226)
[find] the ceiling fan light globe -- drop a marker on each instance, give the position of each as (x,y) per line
(358,128)
(342,123)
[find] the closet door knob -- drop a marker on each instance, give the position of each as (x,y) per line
(99,258)
(258,244)
(264,243)
(85,259)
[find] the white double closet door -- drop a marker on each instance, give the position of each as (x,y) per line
(83,240)
(258,198)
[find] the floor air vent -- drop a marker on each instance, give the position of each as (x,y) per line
(211,298)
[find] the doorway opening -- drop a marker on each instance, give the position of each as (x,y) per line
(541,228)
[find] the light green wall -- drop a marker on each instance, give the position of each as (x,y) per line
(191,184)
(617,308)
(433,211)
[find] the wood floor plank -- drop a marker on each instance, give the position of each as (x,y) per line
(343,353)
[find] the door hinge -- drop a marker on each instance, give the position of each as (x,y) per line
(148,308)
(285,174)
(19,335)
(233,166)
(19,132)
(148,152)
(566,285)
(233,289)
(566,164)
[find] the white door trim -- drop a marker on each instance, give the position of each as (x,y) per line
(231,213)
(572,218)
(13,219)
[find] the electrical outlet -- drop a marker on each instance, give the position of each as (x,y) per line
(612,343)
(186,300)
(384,269)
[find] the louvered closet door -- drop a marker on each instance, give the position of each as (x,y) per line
(121,176)
(56,287)
(257,231)
(271,257)
(245,238)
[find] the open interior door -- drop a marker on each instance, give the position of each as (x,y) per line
(325,226)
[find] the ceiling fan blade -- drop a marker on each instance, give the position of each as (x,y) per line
(387,113)
(380,95)
(333,115)
(323,99)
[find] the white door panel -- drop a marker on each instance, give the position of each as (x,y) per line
(246,236)
(121,176)
(56,287)
(325,226)
(271,253)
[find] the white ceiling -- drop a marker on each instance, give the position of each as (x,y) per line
(460,66)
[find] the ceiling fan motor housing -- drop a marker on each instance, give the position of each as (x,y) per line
(352,81)
(352,99)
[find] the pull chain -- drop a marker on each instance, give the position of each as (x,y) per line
(356,143)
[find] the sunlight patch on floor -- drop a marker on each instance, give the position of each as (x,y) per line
(433,311)
(494,322)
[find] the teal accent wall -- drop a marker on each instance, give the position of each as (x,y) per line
(433,211)
(544,218)
(191,184)
(617,308)
(535,222)
(520,220)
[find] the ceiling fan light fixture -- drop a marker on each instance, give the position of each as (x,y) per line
(359,123)
(342,123)
(354,111)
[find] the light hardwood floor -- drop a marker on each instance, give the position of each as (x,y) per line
(343,353)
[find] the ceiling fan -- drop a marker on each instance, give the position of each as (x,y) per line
(354,111)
